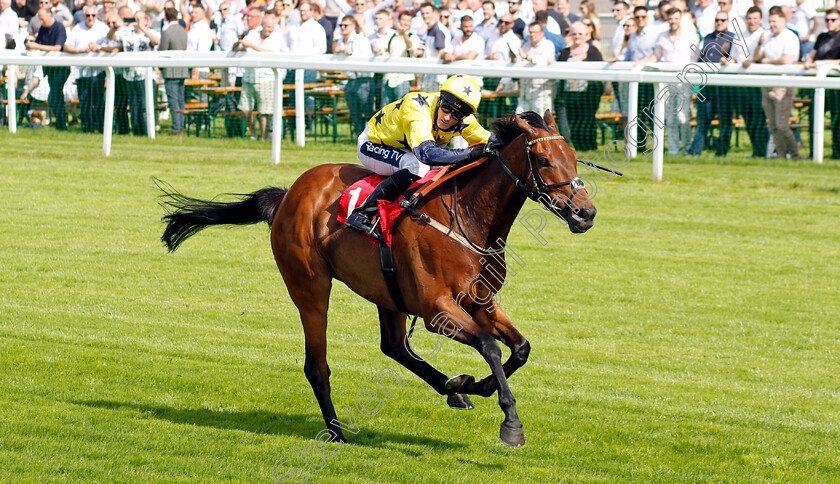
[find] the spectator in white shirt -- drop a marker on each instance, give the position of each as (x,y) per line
(675,46)
(379,38)
(473,8)
(87,37)
(505,49)
(9,24)
(621,12)
(749,98)
(536,94)
(199,38)
(258,84)
(507,44)
(253,17)
(780,47)
(402,43)
(363,12)
(804,22)
(468,46)
(358,92)
(437,41)
(308,38)
(229,26)
(704,13)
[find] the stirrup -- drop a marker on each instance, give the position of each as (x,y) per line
(362,222)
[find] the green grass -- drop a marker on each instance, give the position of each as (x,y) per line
(690,336)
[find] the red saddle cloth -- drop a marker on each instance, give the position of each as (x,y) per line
(356,194)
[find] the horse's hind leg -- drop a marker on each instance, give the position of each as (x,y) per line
(309,284)
(395,345)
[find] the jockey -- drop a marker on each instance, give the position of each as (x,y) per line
(405,138)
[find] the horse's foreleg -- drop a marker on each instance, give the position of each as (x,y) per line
(505,332)
(476,333)
(511,430)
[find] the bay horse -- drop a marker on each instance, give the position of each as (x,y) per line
(433,268)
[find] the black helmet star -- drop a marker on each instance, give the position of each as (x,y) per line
(467,90)
(421,100)
(398,105)
(379,116)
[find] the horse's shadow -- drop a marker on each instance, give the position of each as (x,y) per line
(269,423)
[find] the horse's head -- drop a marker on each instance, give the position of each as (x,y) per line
(550,172)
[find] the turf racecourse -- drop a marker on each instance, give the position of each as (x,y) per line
(690,336)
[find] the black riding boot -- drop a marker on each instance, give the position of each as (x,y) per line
(392,187)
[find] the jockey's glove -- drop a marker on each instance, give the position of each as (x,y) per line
(490,148)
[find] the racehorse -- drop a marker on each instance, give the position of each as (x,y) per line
(433,268)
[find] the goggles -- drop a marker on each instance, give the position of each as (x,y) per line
(448,108)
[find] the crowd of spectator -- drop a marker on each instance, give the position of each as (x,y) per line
(533,31)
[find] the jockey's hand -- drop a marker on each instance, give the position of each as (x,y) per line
(491,149)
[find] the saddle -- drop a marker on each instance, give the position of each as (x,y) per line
(356,194)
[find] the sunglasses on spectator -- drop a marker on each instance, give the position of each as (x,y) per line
(90,15)
(346,25)
(833,19)
(721,20)
(223,9)
(628,25)
(507,22)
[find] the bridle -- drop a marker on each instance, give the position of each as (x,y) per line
(540,192)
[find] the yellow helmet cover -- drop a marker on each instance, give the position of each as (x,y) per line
(466,93)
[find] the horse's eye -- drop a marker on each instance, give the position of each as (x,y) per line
(543,162)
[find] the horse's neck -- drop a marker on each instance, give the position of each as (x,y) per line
(490,202)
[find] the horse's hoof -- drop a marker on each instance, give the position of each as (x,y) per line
(512,436)
(456,383)
(459,402)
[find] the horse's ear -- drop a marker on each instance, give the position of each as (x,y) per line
(549,119)
(525,126)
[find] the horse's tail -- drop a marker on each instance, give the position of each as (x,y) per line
(186,215)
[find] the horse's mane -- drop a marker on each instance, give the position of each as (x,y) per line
(507,129)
